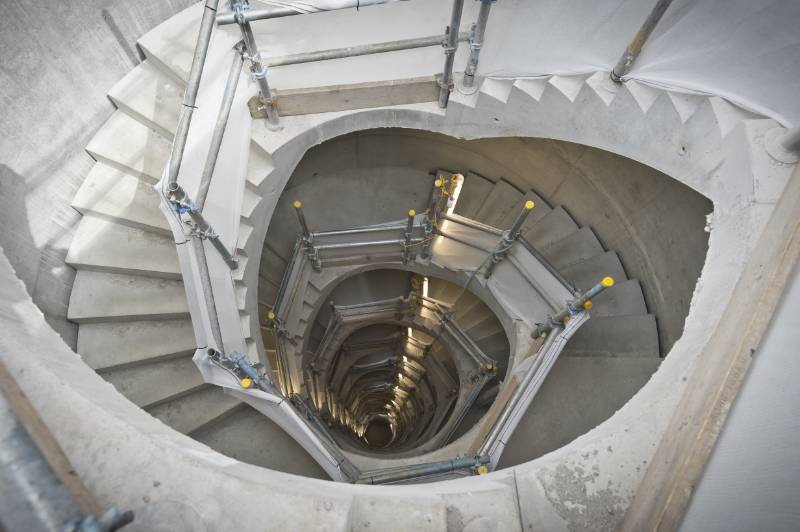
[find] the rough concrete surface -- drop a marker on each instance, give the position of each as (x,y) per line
(57,62)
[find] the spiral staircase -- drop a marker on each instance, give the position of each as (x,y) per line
(389,359)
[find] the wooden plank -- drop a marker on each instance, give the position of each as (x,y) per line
(46,442)
(351,96)
(663,496)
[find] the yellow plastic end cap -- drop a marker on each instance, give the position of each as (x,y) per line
(490,367)
(246,383)
(297,204)
(482,470)
(529,204)
(587,305)
(438,182)
(608,282)
(271,315)
(566,320)
(412,212)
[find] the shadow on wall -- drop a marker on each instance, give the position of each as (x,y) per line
(38,262)
(49,115)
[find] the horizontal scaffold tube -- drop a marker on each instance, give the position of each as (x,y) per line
(363,49)
(421,470)
(290,9)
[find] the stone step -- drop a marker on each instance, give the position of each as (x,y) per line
(151,384)
(120,197)
(101,245)
(110,345)
(578,394)
(588,273)
(615,336)
(622,299)
(194,411)
(540,209)
(130,146)
(251,437)
(495,346)
(474,192)
(554,226)
(503,197)
(577,247)
(100,296)
(149,96)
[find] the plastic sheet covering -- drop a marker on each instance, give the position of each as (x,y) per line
(747,51)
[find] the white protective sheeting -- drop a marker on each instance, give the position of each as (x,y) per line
(747,51)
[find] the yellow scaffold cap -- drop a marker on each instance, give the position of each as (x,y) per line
(608,282)
(529,204)
(297,204)
(246,383)
(482,469)
(587,305)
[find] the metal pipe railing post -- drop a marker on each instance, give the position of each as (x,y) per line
(308,240)
(633,50)
(408,233)
(219,127)
(450,46)
(258,70)
(476,42)
(509,237)
(579,304)
(190,94)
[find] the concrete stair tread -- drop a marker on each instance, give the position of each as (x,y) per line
(577,247)
(615,336)
(540,209)
(149,96)
(583,275)
(623,299)
(116,344)
(131,146)
(101,245)
(554,226)
(251,437)
(195,410)
(474,192)
(120,197)
(101,296)
(583,392)
(503,197)
(150,384)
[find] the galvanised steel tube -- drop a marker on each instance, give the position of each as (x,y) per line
(476,42)
(579,304)
(450,47)
(408,233)
(184,203)
(364,49)
(420,470)
(512,403)
(190,95)
(219,127)
(258,70)
(278,12)
(509,237)
(633,50)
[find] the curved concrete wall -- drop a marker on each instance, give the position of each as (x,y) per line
(655,223)
(58,62)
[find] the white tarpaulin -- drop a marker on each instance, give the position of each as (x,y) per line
(747,51)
